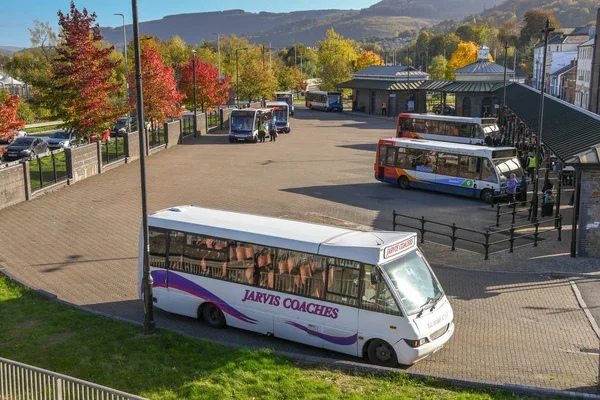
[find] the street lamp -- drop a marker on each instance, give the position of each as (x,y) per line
(237,78)
(218,52)
(504,94)
(126,71)
(194,80)
(538,142)
(147,281)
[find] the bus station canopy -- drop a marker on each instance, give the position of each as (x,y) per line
(568,131)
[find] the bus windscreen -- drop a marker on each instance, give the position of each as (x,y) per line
(242,121)
(335,98)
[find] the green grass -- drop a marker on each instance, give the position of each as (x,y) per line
(157,137)
(42,129)
(47,170)
(299,101)
(116,147)
(167,365)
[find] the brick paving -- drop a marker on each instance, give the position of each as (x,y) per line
(80,243)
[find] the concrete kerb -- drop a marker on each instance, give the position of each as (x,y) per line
(342,365)
(587,312)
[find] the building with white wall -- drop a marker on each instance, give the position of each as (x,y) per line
(584,74)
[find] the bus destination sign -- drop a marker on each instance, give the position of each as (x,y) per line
(398,247)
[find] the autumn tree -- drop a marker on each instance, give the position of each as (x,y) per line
(533,23)
(82,72)
(438,66)
(161,98)
(465,54)
(255,80)
(336,56)
(367,59)
(9,118)
(509,32)
(210,90)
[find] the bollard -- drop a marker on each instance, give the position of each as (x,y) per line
(487,243)
(514,211)
(453,236)
(559,227)
(536,234)
(498,215)
(512,237)
(422,229)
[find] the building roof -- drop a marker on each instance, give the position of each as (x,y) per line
(590,156)
(386,70)
(560,118)
(483,67)
(434,85)
(471,87)
(582,31)
(367,247)
(587,43)
(9,80)
(374,84)
(563,70)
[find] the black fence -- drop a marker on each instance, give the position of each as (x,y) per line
(48,170)
(113,149)
(486,238)
(156,137)
(187,125)
(212,119)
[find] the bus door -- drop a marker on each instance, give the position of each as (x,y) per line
(386,167)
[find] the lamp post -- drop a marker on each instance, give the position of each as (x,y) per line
(237,78)
(147,281)
(504,93)
(194,83)
(538,142)
(218,52)
(126,70)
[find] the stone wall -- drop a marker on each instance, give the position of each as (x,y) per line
(83,161)
(173,133)
(13,184)
(133,145)
(395,105)
(201,124)
(226,115)
(589,215)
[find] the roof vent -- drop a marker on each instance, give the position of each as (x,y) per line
(176,209)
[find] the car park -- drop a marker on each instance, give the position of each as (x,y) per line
(120,127)
(62,140)
(13,135)
(25,147)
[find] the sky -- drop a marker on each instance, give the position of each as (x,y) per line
(18,15)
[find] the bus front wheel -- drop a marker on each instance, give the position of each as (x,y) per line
(403,182)
(213,316)
(487,196)
(382,353)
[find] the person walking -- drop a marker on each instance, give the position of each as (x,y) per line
(262,131)
(531,163)
(384,108)
(273,132)
(511,188)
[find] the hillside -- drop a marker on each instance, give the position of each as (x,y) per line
(385,18)
(9,49)
(570,13)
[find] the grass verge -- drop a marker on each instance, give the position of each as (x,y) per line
(42,129)
(47,176)
(167,365)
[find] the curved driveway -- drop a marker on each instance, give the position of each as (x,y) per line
(80,243)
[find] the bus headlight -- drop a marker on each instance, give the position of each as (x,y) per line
(416,343)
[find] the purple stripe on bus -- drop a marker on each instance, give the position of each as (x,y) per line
(339,340)
(180,283)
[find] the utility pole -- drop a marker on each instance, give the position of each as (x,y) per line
(219,51)
(126,71)
(270,63)
(504,93)
(538,142)
(295,58)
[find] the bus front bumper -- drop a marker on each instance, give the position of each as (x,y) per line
(409,355)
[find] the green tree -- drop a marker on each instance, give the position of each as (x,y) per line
(438,67)
(178,52)
(423,41)
(336,57)
(533,22)
(509,32)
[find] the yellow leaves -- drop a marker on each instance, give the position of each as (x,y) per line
(367,59)
(465,54)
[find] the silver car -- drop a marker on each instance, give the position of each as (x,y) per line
(62,140)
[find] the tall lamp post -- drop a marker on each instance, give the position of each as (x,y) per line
(538,142)
(218,52)
(147,281)
(504,93)
(126,70)
(194,83)
(237,78)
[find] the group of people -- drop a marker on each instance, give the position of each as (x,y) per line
(265,127)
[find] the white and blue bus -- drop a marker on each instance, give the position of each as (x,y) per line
(287,97)
(244,123)
(463,169)
(367,294)
(326,101)
(280,115)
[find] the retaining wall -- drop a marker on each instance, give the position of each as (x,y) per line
(589,214)
(84,162)
(173,133)
(14,184)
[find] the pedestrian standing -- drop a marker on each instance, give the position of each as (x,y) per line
(262,131)
(384,108)
(273,133)
(511,188)
(531,163)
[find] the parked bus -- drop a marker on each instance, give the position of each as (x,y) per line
(326,101)
(288,97)
(463,169)
(280,115)
(245,122)
(446,128)
(367,294)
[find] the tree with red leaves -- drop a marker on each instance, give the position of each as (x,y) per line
(9,119)
(161,98)
(82,70)
(210,89)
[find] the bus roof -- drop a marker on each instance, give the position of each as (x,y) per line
(277,104)
(251,109)
(435,117)
(437,145)
(366,247)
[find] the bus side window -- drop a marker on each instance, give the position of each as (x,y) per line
(469,167)
(382,154)
(158,248)
(447,164)
(175,252)
(391,156)
(488,172)
(432,127)
(466,130)
(375,295)
(403,159)
(342,281)
(477,131)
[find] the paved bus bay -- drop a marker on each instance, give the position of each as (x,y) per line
(525,329)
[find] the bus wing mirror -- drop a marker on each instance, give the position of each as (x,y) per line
(374,279)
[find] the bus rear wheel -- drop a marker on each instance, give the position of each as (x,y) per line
(487,196)
(213,316)
(403,182)
(382,353)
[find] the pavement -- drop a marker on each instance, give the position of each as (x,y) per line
(524,327)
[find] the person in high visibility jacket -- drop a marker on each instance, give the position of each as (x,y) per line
(531,164)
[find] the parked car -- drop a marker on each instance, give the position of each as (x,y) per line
(13,135)
(120,128)
(25,147)
(62,140)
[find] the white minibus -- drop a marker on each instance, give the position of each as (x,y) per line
(367,294)
(244,123)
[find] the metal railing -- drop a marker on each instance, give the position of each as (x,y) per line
(48,169)
(21,381)
(514,232)
(113,150)
(156,137)
(187,126)
(212,119)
